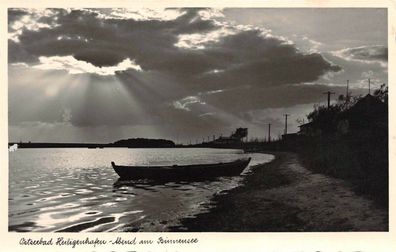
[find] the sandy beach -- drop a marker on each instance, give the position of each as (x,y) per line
(283,196)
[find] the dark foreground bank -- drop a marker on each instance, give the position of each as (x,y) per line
(283,196)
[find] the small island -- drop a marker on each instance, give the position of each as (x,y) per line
(143,143)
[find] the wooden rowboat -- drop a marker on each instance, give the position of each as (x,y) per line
(180,172)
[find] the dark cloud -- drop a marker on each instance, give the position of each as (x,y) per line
(80,33)
(255,70)
(106,42)
(189,23)
(244,99)
(245,58)
(99,57)
(376,53)
(13,15)
(18,53)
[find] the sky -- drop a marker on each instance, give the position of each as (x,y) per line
(100,75)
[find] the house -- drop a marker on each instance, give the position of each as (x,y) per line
(290,137)
(368,113)
(309,129)
(235,138)
(305,129)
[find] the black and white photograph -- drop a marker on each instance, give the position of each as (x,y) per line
(197,119)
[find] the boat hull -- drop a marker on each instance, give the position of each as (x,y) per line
(181,172)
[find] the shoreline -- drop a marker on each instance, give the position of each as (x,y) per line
(283,196)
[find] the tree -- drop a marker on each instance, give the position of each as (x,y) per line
(382,93)
(325,118)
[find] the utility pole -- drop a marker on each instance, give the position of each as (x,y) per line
(269,132)
(369,86)
(347,91)
(328,97)
(286,115)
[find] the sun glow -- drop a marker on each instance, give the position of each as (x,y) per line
(74,66)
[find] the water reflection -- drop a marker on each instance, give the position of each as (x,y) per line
(83,194)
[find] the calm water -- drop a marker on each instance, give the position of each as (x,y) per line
(77,190)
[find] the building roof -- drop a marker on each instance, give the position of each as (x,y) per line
(306,125)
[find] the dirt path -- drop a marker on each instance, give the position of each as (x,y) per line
(325,202)
(285,196)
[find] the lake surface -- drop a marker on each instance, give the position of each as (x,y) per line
(76,190)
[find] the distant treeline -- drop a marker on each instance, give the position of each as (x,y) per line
(129,143)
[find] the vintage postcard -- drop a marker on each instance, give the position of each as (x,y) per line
(213,126)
